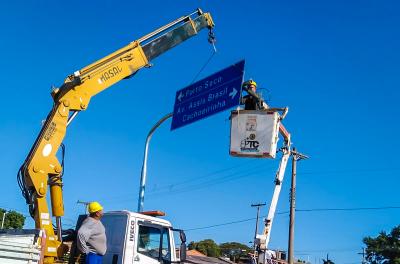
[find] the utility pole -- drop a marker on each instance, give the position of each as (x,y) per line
(256,231)
(363,256)
(4,217)
(295,157)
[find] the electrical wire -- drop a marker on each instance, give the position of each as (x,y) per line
(170,186)
(349,171)
(62,159)
(215,181)
(57,179)
(304,252)
(348,209)
(27,193)
(298,210)
(211,182)
(185,186)
(202,185)
(235,175)
(71,224)
(223,224)
(231,223)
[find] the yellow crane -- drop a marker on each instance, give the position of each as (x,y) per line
(41,169)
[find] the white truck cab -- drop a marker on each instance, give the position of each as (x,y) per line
(140,238)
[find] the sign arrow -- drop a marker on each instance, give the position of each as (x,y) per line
(180,96)
(233,93)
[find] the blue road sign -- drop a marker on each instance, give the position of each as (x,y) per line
(208,96)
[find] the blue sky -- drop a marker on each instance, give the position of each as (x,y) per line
(334,64)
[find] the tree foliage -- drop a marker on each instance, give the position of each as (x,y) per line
(234,250)
(207,247)
(385,248)
(13,219)
(328,261)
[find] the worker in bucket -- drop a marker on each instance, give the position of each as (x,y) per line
(251,101)
(91,238)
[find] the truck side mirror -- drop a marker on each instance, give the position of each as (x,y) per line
(182,252)
(182,249)
(182,236)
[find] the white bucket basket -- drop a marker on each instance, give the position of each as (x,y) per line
(254,133)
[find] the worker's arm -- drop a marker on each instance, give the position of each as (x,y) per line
(82,239)
(42,168)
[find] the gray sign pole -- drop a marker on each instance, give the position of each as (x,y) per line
(144,166)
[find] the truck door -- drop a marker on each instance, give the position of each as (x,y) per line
(116,233)
(153,244)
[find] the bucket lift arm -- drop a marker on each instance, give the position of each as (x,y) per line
(262,241)
(41,168)
(264,238)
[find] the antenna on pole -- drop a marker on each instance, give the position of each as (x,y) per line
(256,231)
(363,256)
(86,204)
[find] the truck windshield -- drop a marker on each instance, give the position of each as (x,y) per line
(154,242)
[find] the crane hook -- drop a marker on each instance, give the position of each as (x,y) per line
(212,39)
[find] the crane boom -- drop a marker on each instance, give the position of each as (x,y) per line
(41,169)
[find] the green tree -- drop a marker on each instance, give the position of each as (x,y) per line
(385,248)
(192,245)
(328,261)
(207,247)
(12,219)
(234,250)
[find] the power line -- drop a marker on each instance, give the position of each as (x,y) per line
(212,182)
(298,210)
(230,223)
(223,224)
(346,171)
(205,184)
(326,250)
(301,173)
(29,216)
(171,188)
(348,209)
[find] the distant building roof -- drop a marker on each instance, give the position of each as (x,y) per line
(206,260)
(194,252)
